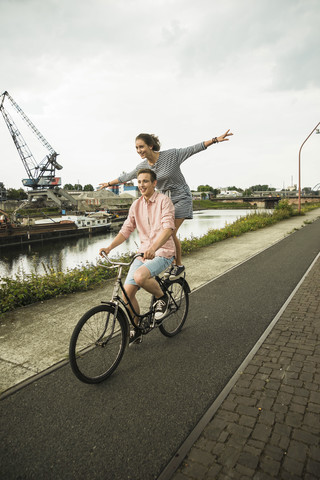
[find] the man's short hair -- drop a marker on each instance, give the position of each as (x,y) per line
(153,175)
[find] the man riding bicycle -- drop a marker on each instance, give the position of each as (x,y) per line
(153,215)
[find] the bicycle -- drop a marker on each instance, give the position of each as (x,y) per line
(101,336)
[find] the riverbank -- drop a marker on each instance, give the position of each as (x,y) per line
(28,287)
(218,205)
(37,336)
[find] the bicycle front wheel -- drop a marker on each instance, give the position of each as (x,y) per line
(97,344)
(179,306)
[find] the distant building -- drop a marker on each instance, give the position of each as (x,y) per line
(87,200)
(127,188)
(202,195)
(224,193)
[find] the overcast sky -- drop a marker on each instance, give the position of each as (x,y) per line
(93,75)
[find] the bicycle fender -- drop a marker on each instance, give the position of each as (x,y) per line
(183,282)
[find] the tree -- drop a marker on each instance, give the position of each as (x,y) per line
(14,194)
(261,188)
(88,188)
(3,191)
(68,186)
(204,188)
(237,189)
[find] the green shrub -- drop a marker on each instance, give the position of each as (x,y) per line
(285,209)
(25,289)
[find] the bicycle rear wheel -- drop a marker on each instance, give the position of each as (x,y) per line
(97,344)
(179,306)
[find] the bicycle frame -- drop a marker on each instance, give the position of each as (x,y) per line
(116,299)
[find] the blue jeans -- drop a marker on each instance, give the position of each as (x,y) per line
(155,266)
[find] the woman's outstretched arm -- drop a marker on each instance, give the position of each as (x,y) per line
(222,138)
(109,184)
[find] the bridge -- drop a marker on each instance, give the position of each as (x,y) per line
(263,202)
(270,201)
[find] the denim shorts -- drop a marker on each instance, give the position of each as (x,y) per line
(155,266)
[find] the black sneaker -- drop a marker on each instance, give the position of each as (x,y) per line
(161,307)
(135,337)
(176,271)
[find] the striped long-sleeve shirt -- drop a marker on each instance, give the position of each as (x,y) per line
(170,178)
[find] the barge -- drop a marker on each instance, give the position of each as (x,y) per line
(12,234)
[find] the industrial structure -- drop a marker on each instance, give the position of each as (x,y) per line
(41,174)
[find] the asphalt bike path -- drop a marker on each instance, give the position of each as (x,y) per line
(130,426)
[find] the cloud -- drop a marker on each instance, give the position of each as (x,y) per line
(92,76)
(278,39)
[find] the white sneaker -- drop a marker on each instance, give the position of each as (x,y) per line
(135,337)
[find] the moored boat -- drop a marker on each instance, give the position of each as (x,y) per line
(31,230)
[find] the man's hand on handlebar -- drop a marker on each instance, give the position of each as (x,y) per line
(104,252)
(149,254)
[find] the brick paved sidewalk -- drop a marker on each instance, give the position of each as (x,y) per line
(268,427)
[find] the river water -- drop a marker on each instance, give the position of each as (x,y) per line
(69,253)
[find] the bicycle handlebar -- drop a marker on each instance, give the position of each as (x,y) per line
(118,264)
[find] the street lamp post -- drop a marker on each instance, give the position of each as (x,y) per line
(299,197)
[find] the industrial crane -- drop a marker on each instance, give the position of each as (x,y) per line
(40,175)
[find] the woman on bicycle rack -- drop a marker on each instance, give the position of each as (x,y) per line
(166,165)
(153,215)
